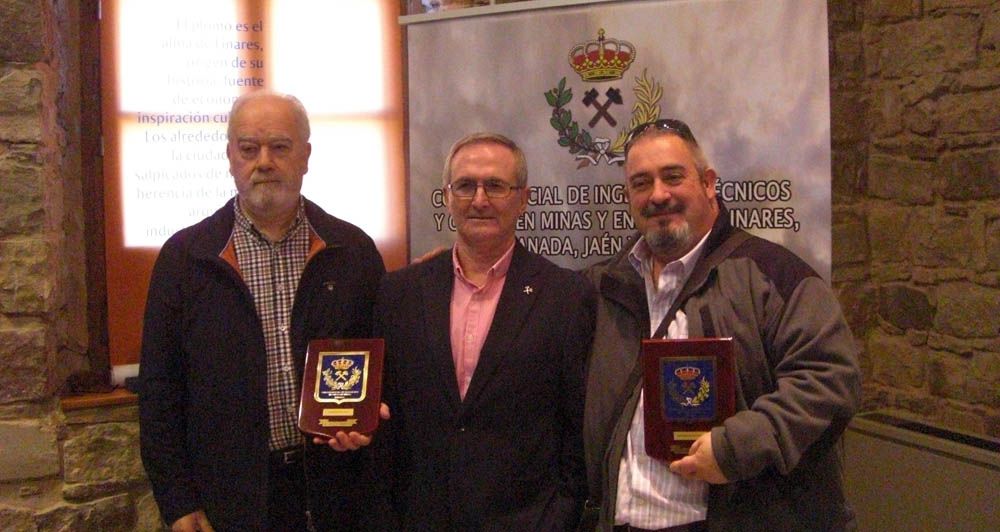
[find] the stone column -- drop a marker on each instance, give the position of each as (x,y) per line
(30,240)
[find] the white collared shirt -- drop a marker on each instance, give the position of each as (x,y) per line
(649,495)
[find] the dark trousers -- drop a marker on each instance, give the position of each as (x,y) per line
(286,496)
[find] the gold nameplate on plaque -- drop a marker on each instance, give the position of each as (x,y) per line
(345,423)
(338,412)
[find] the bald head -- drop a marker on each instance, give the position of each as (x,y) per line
(295,106)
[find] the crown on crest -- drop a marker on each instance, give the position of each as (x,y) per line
(342,364)
(687,373)
(603,59)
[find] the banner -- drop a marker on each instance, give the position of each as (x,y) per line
(750,77)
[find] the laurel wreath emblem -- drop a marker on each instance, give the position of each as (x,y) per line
(346,385)
(703,390)
(646,109)
(570,134)
(588,149)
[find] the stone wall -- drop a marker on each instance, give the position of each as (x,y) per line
(78,470)
(915,94)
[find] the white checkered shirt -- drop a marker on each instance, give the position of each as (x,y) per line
(649,495)
(271,271)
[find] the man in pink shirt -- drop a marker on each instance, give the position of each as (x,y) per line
(485,352)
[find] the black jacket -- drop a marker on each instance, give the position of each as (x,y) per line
(203,400)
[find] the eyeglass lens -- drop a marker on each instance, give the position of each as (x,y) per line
(494,188)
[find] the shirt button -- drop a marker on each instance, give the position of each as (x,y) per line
(286,369)
(283,328)
(290,409)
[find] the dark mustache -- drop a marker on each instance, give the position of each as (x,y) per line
(652,209)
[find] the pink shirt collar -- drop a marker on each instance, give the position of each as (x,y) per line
(499,268)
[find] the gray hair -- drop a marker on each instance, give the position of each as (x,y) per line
(298,110)
(520,163)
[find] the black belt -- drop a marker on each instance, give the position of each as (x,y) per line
(285,457)
(697,526)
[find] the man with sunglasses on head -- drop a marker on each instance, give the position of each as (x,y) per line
(689,273)
(485,352)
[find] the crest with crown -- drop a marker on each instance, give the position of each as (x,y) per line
(687,373)
(602,60)
(342,364)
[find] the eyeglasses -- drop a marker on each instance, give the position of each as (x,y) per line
(664,124)
(494,188)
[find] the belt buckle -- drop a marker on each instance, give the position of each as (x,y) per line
(290,457)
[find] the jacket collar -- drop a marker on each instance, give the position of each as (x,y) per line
(622,284)
(516,301)
(218,228)
(513,309)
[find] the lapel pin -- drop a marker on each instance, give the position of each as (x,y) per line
(527,289)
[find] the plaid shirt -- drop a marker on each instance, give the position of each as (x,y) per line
(271,271)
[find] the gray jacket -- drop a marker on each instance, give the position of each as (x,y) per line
(797,386)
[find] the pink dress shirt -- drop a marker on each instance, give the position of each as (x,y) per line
(472,310)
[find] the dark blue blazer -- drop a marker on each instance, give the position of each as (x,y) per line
(510,455)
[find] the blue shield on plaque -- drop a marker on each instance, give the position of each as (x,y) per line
(343,376)
(688,385)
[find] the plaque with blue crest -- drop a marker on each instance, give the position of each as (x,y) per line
(688,388)
(341,386)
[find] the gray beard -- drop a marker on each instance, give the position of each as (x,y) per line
(666,242)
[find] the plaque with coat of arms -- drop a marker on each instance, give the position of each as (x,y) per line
(341,386)
(689,387)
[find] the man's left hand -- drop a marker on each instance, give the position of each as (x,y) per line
(700,462)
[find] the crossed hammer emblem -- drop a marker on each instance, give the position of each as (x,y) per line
(590,100)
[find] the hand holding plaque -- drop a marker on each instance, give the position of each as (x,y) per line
(341,386)
(689,387)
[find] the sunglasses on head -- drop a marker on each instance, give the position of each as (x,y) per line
(664,124)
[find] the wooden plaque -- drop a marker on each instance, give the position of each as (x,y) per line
(341,386)
(689,387)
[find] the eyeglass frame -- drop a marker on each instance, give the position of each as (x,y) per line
(482,185)
(673,125)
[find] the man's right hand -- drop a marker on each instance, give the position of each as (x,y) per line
(192,522)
